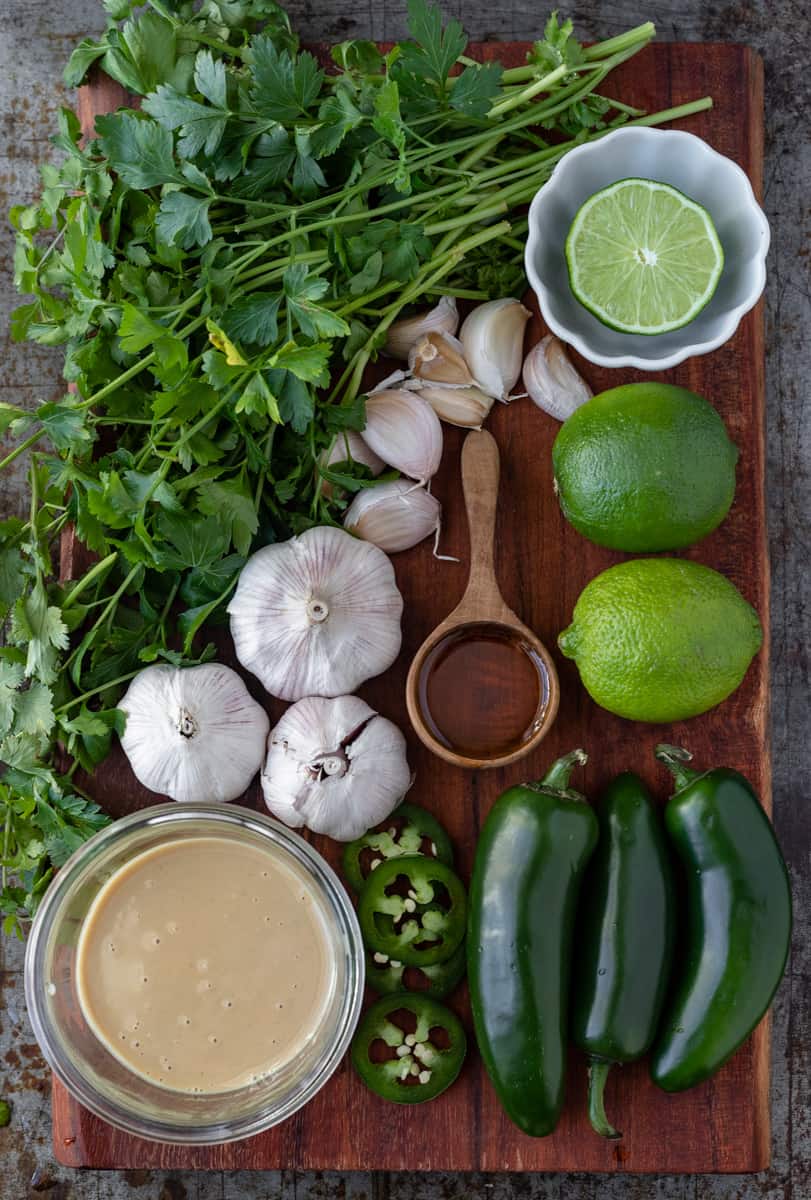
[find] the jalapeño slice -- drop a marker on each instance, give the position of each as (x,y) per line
(408,1048)
(388,975)
(409,830)
(413,909)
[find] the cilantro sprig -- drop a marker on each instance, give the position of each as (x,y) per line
(220,265)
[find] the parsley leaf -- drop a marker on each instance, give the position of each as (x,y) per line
(301,292)
(183,220)
(231,501)
(476,88)
(140,150)
(40,625)
(308,363)
(433,51)
(253,318)
(558,48)
(284,88)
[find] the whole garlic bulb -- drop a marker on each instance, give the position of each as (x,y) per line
(336,766)
(193,733)
(316,615)
(492,336)
(394,515)
(404,431)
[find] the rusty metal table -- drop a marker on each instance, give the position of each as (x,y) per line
(35,39)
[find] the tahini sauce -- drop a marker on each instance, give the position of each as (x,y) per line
(204,963)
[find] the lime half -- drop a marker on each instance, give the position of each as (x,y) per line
(643,257)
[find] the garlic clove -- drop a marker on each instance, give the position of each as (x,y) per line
(402,335)
(394,515)
(552,381)
(438,357)
(404,431)
(335,766)
(492,337)
(193,733)
(468,407)
(316,615)
(349,447)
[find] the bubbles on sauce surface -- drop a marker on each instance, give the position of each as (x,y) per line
(170,950)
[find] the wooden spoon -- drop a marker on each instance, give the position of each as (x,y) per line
(483,604)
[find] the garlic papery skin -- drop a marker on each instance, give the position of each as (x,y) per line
(395,516)
(551,380)
(404,431)
(193,733)
(467,407)
(349,446)
(492,337)
(438,358)
(402,335)
(335,766)
(316,615)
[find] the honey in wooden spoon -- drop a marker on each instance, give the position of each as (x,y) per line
(482,690)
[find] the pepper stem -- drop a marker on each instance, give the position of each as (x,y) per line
(557,777)
(598,1073)
(675,759)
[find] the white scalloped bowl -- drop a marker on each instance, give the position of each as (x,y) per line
(669,156)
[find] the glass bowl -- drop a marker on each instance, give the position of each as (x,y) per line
(101,1082)
(689,164)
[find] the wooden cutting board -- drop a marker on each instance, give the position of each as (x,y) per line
(542,564)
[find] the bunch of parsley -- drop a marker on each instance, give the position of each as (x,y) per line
(220,266)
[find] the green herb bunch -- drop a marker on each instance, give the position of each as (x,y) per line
(220,265)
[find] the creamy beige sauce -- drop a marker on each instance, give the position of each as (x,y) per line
(204,964)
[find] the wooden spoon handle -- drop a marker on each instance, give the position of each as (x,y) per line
(480,476)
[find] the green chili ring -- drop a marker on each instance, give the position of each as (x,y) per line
(408,1048)
(435,980)
(408,831)
(413,909)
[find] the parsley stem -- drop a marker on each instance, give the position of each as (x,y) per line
(21,449)
(103,687)
(638,36)
(106,612)
(528,93)
(99,568)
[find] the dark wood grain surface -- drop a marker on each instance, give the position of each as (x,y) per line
(542,565)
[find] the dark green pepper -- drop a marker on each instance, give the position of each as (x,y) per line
(738,921)
(409,830)
(530,859)
(408,1048)
(386,976)
(624,935)
(413,910)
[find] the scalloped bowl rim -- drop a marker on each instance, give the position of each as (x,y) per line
(546,295)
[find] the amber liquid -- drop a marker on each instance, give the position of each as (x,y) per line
(483,691)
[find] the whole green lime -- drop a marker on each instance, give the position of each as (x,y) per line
(645,467)
(661,639)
